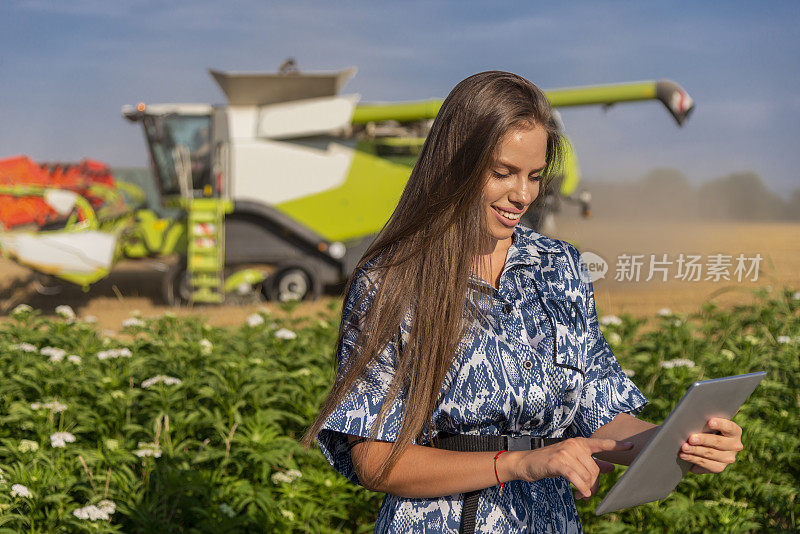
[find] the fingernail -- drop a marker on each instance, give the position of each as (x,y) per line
(713,424)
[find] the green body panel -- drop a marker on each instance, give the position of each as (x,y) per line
(571,172)
(154,236)
(365,201)
(248,277)
(358,207)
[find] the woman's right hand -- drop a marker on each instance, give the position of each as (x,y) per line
(572,459)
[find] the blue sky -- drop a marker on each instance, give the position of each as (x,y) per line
(68,67)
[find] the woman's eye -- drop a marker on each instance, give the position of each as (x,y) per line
(536,178)
(500,174)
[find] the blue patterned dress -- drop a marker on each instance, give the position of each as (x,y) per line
(536,364)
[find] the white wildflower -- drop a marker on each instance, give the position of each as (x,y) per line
(133,322)
(288,514)
(136,313)
(74,358)
(205,346)
(110,354)
(18,490)
(629,372)
(26,445)
(264,310)
(784,339)
(163,379)
(614,339)
(103,510)
(677,322)
(148,449)
(285,333)
(728,354)
(60,439)
(90,319)
(796,295)
(56,354)
(664,312)
(24,347)
(610,320)
(751,339)
(288,477)
(65,311)
(679,362)
(255,320)
(21,309)
(226,509)
(107,506)
(54,406)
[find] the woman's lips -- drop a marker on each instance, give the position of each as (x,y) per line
(505,220)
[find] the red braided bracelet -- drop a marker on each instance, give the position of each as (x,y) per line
(495,471)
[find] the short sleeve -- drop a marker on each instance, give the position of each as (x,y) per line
(358,411)
(607,390)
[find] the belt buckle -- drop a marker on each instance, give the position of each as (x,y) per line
(519,443)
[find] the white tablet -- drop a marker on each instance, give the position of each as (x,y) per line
(657,469)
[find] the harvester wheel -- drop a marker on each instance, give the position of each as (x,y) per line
(175,285)
(45,284)
(291,283)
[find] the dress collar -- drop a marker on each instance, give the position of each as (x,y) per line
(526,249)
(528,245)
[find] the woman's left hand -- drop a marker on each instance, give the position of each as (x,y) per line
(712,453)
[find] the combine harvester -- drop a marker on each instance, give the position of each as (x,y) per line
(278,192)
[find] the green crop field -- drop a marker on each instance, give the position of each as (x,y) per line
(177,426)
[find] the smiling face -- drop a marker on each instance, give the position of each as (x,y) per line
(512,181)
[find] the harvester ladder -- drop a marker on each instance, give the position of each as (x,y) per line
(206,249)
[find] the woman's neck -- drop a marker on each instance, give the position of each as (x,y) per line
(489,266)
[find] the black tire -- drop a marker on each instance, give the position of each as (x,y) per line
(291,282)
(175,285)
(47,285)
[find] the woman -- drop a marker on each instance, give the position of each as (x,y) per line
(460,326)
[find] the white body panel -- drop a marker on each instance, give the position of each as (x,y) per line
(306,117)
(274,171)
(268,170)
(76,252)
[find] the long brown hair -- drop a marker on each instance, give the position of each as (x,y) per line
(427,249)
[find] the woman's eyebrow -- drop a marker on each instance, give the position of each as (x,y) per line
(514,168)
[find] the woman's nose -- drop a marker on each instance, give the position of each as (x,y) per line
(524,191)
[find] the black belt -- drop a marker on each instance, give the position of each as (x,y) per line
(479,443)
